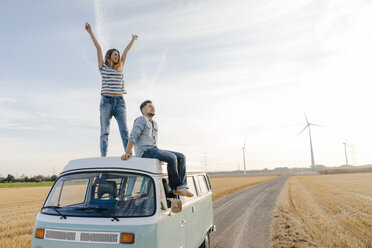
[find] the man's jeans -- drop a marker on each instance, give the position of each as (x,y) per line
(176,166)
(112,106)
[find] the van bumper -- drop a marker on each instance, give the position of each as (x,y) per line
(144,235)
(41,243)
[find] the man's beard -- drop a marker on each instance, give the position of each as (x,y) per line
(151,114)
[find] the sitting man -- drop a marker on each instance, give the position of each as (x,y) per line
(144,138)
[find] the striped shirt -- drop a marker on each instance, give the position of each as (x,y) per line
(112,81)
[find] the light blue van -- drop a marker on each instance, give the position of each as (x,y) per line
(107,202)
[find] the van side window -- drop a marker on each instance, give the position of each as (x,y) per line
(203,185)
(209,182)
(163,199)
(191,185)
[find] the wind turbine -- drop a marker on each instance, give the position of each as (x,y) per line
(311,143)
(243,148)
(345,145)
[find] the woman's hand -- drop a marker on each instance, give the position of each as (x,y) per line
(96,44)
(88,28)
(126,50)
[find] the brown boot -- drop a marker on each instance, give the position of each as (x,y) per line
(183,192)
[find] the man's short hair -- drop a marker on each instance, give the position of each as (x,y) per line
(144,104)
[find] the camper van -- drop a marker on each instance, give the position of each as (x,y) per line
(107,202)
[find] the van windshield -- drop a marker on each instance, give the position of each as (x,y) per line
(102,194)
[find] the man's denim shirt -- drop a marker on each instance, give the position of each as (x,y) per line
(144,135)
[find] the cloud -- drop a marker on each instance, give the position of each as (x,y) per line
(6,99)
(219,71)
(101,28)
(51,111)
(11,119)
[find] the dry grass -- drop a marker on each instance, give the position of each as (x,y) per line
(19,207)
(324,211)
(225,185)
(357,169)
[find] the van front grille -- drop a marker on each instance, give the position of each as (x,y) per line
(83,237)
(61,235)
(99,237)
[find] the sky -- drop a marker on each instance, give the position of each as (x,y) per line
(220,73)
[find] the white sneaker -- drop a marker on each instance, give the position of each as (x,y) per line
(183,192)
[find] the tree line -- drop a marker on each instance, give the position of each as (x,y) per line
(24,179)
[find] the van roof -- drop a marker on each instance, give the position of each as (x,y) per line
(149,165)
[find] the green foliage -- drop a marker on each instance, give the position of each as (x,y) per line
(24,181)
(9,179)
(18,185)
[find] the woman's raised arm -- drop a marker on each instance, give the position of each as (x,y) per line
(96,44)
(126,50)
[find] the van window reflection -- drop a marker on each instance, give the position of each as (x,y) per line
(192,189)
(117,194)
(203,185)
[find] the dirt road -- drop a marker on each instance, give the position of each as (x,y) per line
(243,218)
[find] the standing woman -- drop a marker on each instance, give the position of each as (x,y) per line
(112,101)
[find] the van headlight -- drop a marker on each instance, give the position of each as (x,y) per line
(126,238)
(39,233)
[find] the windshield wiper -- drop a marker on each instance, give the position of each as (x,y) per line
(98,210)
(55,209)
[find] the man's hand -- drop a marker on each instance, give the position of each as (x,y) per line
(134,37)
(128,152)
(126,156)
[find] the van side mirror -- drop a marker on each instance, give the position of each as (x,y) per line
(176,205)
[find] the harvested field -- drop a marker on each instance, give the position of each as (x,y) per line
(18,209)
(19,206)
(356,169)
(225,185)
(324,211)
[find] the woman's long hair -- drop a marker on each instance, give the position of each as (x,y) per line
(117,66)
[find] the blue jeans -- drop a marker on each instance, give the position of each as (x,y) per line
(112,106)
(176,166)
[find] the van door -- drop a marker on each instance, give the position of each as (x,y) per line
(192,211)
(171,231)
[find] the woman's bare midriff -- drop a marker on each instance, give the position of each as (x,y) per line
(109,94)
